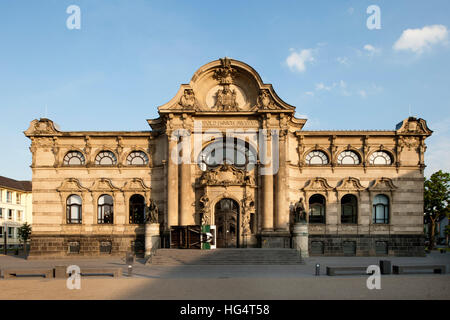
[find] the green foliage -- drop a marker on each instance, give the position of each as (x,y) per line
(437,195)
(24,232)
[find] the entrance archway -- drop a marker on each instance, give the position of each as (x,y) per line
(226,216)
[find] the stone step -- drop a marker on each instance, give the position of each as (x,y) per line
(226,257)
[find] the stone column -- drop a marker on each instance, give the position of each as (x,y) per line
(267,177)
(152,239)
(281,212)
(185,216)
(300,238)
(172,183)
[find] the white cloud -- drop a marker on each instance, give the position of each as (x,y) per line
(342,60)
(418,40)
(350,10)
(309,93)
(297,60)
(362,93)
(371,50)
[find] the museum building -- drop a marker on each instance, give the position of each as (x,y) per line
(227,151)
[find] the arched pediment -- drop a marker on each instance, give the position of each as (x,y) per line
(382,184)
(226,85)
(103,184)
(413,125)
(349,184)
(71,185)
(135,185)
(317,184)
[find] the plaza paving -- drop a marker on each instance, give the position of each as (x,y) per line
(230,282)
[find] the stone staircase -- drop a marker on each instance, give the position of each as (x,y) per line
(226,257)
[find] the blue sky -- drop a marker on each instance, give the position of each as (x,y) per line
(129,57)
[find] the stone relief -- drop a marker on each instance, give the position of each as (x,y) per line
(226,99)
(265,101)
(187,100)
(204,210)
(223,175)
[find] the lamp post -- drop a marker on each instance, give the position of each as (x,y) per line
(5,236)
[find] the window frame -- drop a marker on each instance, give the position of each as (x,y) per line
(386,210)
(99,158)
(101,210)
(354,216)
(320,206)
(372,161)
(339,161)
(145,158)
(308,162)
(131,217)
(79,219)
(66,162)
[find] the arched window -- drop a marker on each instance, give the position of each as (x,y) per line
(380,212)
(105,209)
(233,151)
(316,157)
(137,209)
(380,158)
(137,158)
(317,209)
(105,158)
(349,209)
(348,157)
(74,158)
(73,209)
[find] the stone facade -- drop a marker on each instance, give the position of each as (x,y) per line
(269,164)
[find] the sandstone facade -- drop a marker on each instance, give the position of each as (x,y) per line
(269,163)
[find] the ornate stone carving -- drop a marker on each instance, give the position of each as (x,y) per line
(151,212)
(248,203)
(225,74)
(204,210)
(382,184)
(265,101)
(223,175)
(409,142)
(187,100)
(226,99)
(349,184)
(412,125)
(42,127)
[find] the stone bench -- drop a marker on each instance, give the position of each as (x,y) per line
(400,269)
(15,273)
(113,272)
(331,271)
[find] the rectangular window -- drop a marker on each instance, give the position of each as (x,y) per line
(8,196)
(1,232)
(1,213)
(18,198)
(1,195)
(10,214)
(19,215)
(10,232)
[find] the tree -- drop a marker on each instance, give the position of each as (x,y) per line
(436,200)
(24,235)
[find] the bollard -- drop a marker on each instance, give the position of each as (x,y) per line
(130,270)
(317,269)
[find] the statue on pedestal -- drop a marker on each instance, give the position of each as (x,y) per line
(151,212)
(204,209)
(299,211)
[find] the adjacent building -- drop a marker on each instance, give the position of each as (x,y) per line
(228,151)
(15,209)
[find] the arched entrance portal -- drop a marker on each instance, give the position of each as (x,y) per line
(226,213)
